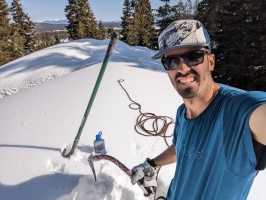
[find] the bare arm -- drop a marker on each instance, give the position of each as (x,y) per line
(167,157)
(257,123)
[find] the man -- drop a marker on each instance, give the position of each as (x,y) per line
(220,132)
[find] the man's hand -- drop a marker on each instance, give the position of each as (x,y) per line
(146,172)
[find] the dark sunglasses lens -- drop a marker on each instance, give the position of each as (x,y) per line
(193,58)
(171,62)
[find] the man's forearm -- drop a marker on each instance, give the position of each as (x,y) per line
(167,157)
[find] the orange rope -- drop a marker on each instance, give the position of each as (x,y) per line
(145,117)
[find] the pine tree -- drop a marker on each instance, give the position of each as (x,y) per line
(71,14)
(144,24)
(188,9)
(57,38)
(4,33)
(166,1)
(195,6)
(87,19)
(240,53)
(17,37)
(110,31)
(238,29)
(133,39)
(23,28)
(102,31)
(17,42)
(127,23)
(165,15)
(209,13)
(203,12)
(81,20)
(30,34)
(179,11)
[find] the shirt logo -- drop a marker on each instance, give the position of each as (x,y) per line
(191,152)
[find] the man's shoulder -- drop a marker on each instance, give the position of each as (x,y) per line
(235,94)
(229,91)
(239,101)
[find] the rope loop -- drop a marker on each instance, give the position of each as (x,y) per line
(159,124)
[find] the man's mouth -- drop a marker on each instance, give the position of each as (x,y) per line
(185,80)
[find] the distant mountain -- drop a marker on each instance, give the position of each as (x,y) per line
(55,21)
(44,27)
(115,24)
(59,25)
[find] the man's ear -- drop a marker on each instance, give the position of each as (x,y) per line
(211,60)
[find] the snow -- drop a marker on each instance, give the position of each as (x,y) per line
(43,99)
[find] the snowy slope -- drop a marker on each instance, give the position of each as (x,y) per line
(39,116)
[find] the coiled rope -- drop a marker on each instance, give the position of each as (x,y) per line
(160,124)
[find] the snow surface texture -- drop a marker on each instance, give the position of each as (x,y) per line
(36,122)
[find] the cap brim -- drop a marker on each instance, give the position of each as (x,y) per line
(161,53)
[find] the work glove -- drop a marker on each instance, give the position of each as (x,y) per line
(144,174)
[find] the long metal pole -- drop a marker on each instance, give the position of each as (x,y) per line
(93,95)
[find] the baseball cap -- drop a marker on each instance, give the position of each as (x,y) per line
(180,34)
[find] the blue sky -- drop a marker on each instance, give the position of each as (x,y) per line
(105,10)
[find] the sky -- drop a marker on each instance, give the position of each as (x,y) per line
(105,10)
(43,98)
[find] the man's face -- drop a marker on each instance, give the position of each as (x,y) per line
(191,82)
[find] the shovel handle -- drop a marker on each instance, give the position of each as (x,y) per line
(93,95)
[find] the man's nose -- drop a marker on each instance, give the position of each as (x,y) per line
(182,67)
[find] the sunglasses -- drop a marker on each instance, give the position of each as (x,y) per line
(190,58)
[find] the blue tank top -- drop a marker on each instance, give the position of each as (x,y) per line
(215,156)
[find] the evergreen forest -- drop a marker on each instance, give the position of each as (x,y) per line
(236,28)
